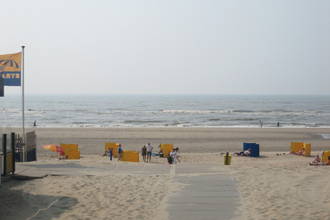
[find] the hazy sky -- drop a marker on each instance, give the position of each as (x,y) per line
(170,46)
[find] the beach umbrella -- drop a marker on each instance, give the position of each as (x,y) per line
(8,62)
(52,147)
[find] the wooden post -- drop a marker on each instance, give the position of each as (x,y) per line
(13,150)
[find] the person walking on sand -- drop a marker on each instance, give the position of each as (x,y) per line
(144,152)
(149,152)
(120,152)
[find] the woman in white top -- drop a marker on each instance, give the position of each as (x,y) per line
(149,152)
(174,155)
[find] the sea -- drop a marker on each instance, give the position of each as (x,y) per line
(166,111)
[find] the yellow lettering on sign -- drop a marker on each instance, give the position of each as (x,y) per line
(11,76)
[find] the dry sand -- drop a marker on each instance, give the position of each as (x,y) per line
(110,190)
(271,187)
(283,187)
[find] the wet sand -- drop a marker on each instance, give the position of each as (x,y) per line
(91,140)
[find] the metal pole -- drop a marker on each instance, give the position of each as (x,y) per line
(4,151)
(23,104)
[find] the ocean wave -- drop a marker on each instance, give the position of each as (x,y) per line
(243,119)
(167,112)
(215,119)
(188,111)
(32,112)
(174,125)
(234,119)
(325,136)
(244,111)
(79,122)
(10,110)
(241,111)
(142,121)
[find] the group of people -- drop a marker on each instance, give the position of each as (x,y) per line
(146,153)
(110,152)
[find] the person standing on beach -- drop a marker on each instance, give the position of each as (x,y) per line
(149,152)
(144,152)
(175,156)
(120,152)
(110,153)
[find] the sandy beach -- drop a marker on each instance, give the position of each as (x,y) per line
(190,140)
(86,86)
(270,187)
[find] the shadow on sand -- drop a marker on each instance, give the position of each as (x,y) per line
(16,204)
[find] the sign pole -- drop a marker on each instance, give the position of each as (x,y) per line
(23,105)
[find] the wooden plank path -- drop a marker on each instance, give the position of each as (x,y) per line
(209,195)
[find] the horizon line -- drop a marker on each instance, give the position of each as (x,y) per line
(166,94)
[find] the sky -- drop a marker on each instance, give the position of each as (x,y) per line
(170,46)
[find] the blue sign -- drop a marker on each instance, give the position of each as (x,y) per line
(11,78)
(2,92)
